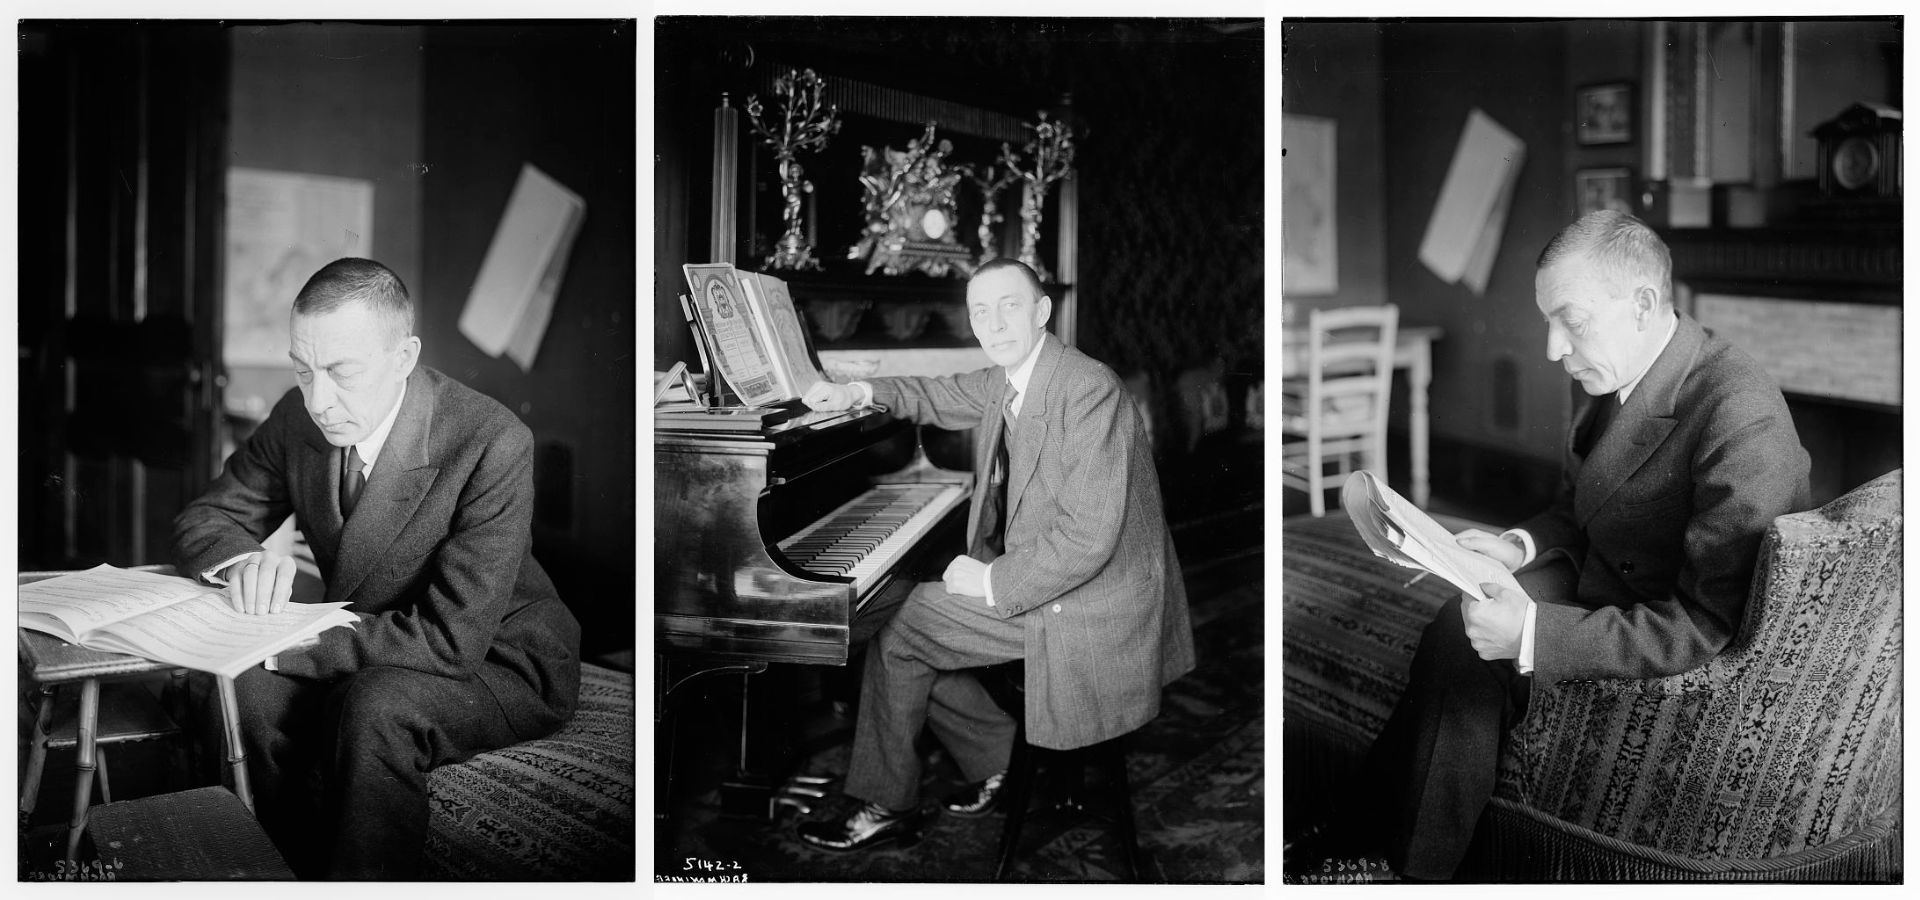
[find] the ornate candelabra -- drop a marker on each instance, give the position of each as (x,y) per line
(991,182)
(1051,151)
(804,124)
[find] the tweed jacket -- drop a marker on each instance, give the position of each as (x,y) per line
(1089,568)
(437,559)
(1663,520)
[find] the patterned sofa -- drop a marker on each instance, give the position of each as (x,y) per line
(1778,761)
(555,809)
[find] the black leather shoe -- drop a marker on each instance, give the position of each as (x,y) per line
(868,826)
(977,799)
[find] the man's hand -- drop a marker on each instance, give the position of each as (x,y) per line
(260,583)
(966,576)
(1494,624)
(830,397)
(1505,552)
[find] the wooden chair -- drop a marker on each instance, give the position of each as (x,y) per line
(1337,412)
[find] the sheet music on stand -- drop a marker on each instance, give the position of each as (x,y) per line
(1400,533)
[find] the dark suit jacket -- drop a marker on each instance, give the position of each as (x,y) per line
(438,557)
(1089,568)
(1663,520)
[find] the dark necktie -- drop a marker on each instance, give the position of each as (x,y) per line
(353,478)
(993,521)
(1604,409)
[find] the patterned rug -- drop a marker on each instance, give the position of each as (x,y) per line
(1350,622)
(1196,772)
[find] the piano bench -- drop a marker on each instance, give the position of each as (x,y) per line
(1006,684)
(559,808)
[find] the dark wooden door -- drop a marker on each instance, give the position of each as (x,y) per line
(121,136)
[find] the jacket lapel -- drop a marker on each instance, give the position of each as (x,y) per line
(1030,427)
(1641,425)
(399,483)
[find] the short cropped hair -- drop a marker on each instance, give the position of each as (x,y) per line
(1008,262)
(1623,247)
(353,280)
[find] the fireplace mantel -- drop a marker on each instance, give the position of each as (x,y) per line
(1855,262)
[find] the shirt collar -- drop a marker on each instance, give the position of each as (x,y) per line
(1022,372)
(1673,325)
(370,448)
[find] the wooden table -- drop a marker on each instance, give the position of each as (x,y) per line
(48,662)
(1412,351)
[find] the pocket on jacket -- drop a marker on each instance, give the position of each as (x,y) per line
(1654,507)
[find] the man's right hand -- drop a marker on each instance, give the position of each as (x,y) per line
(1505,552)
(261,583)
(829,397)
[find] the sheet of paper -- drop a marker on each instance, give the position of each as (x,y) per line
(1471,208)
(1401,533)
(1480,266)
(512,298)
(103,595)
(207,634)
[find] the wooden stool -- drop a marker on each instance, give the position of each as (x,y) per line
(205,834)
(1006,684)
(124,716)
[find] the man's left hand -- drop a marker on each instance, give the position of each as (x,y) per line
(966,576)
(1494,624)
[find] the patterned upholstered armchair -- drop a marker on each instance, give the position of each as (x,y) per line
(1779,760)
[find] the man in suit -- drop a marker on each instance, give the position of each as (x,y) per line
(1681,453)
(416,496)
(1070,567)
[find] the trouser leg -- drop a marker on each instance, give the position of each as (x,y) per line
(970,725)
(1436,761)
(934,632)
(391,727)
(280,721)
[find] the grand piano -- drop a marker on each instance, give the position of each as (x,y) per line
(791,545)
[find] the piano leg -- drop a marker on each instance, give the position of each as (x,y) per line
(754,792)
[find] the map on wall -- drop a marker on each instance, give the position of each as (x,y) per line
(1308,246)
(281,228)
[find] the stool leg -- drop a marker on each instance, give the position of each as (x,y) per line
(100,773)
(1020,778)
(36,757)
(83,768)
(236,750)
(1123,818)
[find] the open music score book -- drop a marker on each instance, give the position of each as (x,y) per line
(750,333)
(168,619)
(1400,533)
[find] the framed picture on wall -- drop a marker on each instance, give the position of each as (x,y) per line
(1610,188)
(1310,253)
(1603,113)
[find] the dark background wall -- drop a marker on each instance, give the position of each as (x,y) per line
(340,100)
(1333,71)
(1433,75)
(559,97)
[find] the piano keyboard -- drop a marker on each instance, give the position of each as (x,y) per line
(863,538)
